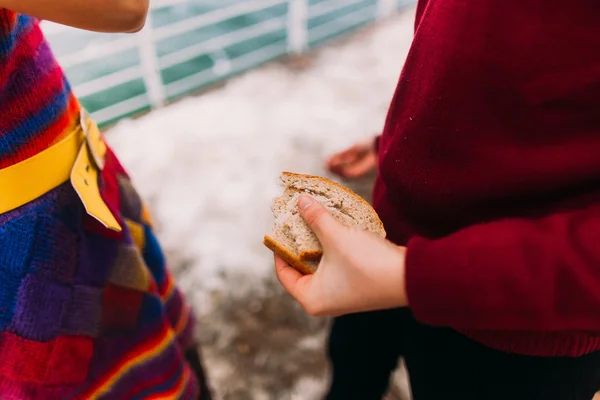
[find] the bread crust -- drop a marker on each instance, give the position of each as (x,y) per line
(314,255)
(287,256)
(345,189)
(301,262)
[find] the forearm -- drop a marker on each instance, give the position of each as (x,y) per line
(514,274)
(94,15)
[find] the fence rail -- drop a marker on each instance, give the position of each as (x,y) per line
(184,47)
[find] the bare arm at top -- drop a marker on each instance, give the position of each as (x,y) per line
(93,15)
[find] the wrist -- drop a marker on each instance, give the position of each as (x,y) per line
(396,278)
(402,298)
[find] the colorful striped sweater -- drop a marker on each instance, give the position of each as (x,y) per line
(85,313)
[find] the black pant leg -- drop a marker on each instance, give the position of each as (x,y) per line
(363,351)
(445,364)
(194,359)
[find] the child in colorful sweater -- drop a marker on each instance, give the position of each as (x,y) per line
(88,309)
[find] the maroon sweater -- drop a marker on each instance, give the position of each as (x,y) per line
(490,172)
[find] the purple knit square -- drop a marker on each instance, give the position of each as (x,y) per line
(67,207)
(55,249)
(83,312)
(40,309)
(96,257)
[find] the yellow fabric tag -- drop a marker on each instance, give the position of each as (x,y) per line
(84,178)
(94,139)
(78,157)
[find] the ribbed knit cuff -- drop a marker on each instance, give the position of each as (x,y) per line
(448,285)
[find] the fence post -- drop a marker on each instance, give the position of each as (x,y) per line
(386,8)
(297,29)
(150,66)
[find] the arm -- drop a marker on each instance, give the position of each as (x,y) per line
(513,274)
(93,15)
(518,274)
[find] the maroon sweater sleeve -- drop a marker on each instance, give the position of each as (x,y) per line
(513,274)
(376,143)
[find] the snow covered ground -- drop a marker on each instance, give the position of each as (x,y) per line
(209,167)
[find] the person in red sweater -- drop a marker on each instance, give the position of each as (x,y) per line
(489,189)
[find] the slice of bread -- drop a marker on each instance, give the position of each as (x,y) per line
(293,240)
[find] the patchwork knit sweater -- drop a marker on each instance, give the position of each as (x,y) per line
(85,313)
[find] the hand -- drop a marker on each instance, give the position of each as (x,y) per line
(354,162)
(359,271)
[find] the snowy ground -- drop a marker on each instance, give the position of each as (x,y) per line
(209,167)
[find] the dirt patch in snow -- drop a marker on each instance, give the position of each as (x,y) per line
(274,352)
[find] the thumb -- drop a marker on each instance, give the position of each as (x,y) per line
(318,219)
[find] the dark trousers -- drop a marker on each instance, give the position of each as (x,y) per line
(194,359)
(364,350)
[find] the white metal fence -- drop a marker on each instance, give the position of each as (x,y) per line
(116,76)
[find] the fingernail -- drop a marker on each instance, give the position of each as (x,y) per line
(304,202)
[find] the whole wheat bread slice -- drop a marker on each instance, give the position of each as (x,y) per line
(292,239)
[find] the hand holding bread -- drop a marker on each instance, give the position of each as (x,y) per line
(347,266)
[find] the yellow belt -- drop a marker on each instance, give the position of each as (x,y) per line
(78,157)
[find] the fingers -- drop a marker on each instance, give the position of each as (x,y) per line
(290,278)
(360,168)
(353,162)
(318,219)
(343,158)
(298,286)
(287,275)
